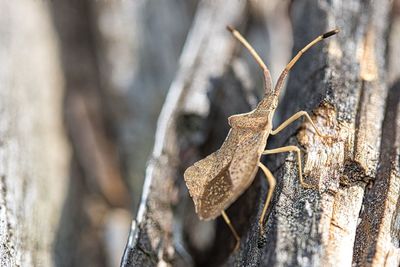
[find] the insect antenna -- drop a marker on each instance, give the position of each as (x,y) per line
(256,56)
(284,73)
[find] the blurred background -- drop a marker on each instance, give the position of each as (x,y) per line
(82,85)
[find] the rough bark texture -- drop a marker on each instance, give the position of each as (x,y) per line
(352,219)
(344,84)
(68,69)
(105,66)
(151,239)
(378,232)
(34,153)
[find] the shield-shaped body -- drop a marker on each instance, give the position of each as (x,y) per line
(216,181)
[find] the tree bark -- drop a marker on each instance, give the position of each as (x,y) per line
(34,152)
(151,238)
(352,218)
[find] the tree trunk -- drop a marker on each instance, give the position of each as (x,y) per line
(34,153)
(353,217)
(64,198)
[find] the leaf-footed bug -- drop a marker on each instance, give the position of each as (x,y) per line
(216,181)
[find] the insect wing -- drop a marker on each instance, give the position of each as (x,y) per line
(207,171)
(217,180)
(244,165)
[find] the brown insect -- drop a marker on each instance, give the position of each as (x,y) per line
(216,181)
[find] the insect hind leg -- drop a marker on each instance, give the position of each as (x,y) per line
(235,234)
(272,183)
(291,149)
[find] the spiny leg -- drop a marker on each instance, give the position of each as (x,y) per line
(290,149)
(228,222)
(256,56)
(292,119)
(271,182)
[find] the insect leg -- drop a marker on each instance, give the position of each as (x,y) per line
(271,182)
(292,119)
(228,222)
(290,149)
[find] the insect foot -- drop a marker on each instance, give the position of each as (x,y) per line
(262,240)
(216,181)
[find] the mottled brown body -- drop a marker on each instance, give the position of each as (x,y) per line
(216,181)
